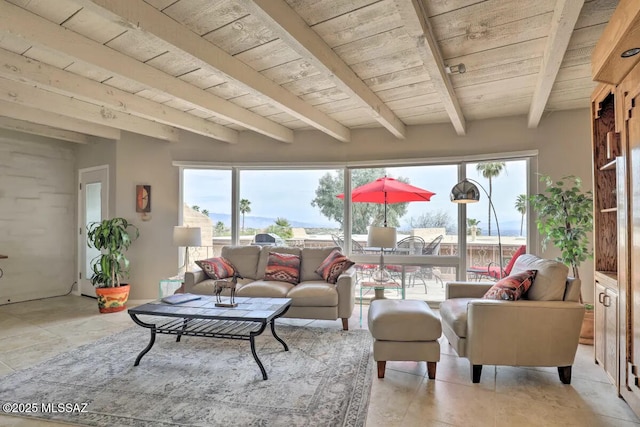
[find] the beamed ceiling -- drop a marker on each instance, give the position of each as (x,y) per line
(72,69)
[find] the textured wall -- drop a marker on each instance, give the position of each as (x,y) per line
(37,216)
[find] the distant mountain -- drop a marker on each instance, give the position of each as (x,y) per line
(251,221)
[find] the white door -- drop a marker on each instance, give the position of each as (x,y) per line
(93,204)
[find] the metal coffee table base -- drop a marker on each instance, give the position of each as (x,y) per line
(230,329)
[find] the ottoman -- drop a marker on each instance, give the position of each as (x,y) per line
(404,330)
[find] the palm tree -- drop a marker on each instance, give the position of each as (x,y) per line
(196,208)
(205,212)
(490,170)
(521,206)
(245,207)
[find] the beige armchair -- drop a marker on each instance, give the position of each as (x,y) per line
(542,330)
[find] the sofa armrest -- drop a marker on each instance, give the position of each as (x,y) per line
(346,287)
(191,278)
(466,289)
(523,333)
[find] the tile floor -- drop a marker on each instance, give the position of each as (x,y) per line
(34,331)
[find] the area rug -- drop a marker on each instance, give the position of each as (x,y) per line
(324,380)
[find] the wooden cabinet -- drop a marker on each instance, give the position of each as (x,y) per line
(616,123)
(606,325)
(606,221)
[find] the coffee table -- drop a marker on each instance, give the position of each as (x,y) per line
(201,318)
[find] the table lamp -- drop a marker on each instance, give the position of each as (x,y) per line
(187,237)
(381,237)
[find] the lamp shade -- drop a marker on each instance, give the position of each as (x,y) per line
(382,237)
(465,192)
(187,236)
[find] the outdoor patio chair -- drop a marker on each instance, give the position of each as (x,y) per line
(493,271)
(365,270)
(412,245)
(433,248)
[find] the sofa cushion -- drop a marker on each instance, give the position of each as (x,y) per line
(333,266)
(243,258)
(310,260)
(283,268)
(551,278)
(314,294)
(264,257)
(512,287)
(265,289)
(216,268)
(454,313)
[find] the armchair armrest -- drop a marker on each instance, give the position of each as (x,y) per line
(346,287)
(523,333)
(191,278)
(466,289)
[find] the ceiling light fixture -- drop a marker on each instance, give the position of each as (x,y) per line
(630,52)
(455,69)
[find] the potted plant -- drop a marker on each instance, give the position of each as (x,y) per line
(564,218)
(111,237)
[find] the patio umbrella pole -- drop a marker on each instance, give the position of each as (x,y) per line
(385,208)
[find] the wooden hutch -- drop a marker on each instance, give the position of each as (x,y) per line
(615,109)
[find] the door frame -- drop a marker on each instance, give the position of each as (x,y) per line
(81,218)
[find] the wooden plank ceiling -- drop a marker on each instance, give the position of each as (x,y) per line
(219,67)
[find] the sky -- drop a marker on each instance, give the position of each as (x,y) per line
(288,193)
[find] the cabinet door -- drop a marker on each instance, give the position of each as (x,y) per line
(610,303)
(600,331)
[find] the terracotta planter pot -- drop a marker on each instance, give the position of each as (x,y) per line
(586,332)
(111,300)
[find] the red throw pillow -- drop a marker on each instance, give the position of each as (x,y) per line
(333,266)
(511,288)
(216,268)
(283,268)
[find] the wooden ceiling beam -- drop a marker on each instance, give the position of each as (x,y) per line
(294,31)
(417,25)
(34,29)
(42,130)
(23,113)
(30,96)
(19,68)
(565,16)
(147,18)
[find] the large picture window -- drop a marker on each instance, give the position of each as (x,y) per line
(436,240)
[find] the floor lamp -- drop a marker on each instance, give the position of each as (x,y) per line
(187,237)
(466,191)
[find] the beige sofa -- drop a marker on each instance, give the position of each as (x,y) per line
(312,298)
(542,330)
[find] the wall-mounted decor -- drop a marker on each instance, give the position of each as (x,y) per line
(143,198)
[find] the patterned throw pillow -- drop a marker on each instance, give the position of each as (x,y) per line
(216,268)
(283,268)
(333,266)
(511,288)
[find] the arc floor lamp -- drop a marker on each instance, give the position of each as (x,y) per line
(466,191)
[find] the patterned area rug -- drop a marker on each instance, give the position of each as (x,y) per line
(324,380)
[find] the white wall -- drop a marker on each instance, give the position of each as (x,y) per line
(37,216)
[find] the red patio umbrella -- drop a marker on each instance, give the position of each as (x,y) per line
(388,190)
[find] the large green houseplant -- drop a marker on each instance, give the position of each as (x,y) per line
(112,237)
(564,218)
